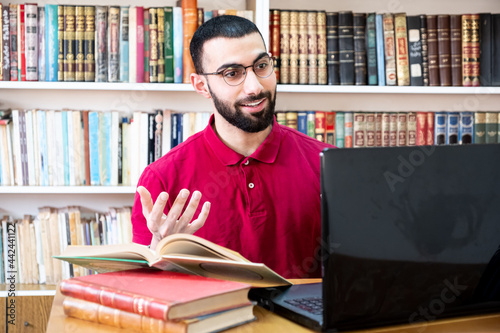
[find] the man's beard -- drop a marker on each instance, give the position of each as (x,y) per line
(251,123)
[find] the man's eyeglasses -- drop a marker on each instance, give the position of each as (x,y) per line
(235,75)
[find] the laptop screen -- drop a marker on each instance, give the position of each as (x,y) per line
(410,234)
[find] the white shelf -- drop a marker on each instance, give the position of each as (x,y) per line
(120,86)
(294,88)
(67,189)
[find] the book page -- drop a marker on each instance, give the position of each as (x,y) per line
(130,251)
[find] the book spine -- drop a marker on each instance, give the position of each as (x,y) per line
(330,127)
(311,124)
(302,122)
(444,49)
(153,45)
(386,119)
(169,45)
(389,48)
(86,147)
(491,127)
(124,41)
(89,44)
(456,50)
(393,129)
(346,48)
(69,43)
(466,50)
(415,50)
(95,178)
(5,43)
(303,48)
(452,128)
(402,56)
(13,41)
(79,43)
(348,129)
(293,47)
(359,129)
(370,129)
(291,119)
(440,121)
(421,128)
(402,129)
(60,42)
(425,50)
(475,52)
(151,137)
(466,128)
(114,44)
(332,47)
(485,48)
(359,30)
(495,49)
(101,44)
(274,39)
(411,129)
(189,26)
(480,127)
(312,47)
(322,52)
(379,32)
(430,128)
(378,129)
(320,125)
(139,45)
(94,312)
(41,44)
(371,49)
(145,22)
(31,37)
(21,43)
(339,129)
(161,44)
(433,50)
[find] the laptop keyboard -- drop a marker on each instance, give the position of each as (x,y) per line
(313,305)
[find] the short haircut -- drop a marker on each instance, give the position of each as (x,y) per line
(224,26)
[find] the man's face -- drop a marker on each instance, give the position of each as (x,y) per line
(250,105)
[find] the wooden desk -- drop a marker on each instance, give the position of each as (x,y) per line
(269,322)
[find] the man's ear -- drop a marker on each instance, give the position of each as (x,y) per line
(200,85)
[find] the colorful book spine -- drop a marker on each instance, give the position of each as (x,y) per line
(114,44)
(411,129)
(178,49)
(145,23)
(330,127)
(320,123)
(312,47)
(479,127)
(189,26)
(386,129)
(466,128)
(274,39)
(153,45)
(348,129)
(370,129)
(402,56)
(379,33)
(21,43)
(5,56)
(95,178)
(124,44)
(161,44)
(421,128)
(359,130)
(425,50)
(31,41)
(169,44)
(302,122)
(402,139)
(440,122)
(359,30)
(452,128)
(89,44)
(284,46)
(41,44)
(371,49)
(101,44)
(466,50)
(13,42)
(311,124)
(139,46)
(393,129)
(389,49)
(475,50)
(291,59)
(79,43)
(69,43)
(322,52)
(303,48)
(430,128)
(339,129)
(491,127)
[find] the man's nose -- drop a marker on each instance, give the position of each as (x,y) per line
(252,85)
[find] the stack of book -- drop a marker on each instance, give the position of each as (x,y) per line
(148,300)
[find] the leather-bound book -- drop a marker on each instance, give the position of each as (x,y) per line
(371,49)
(411,129)
(370,129)
(402,56)
(495,50)
(153,45)
(101,44)
(79,38)
(456,49)
(444,49)
(114,44)
(386,129)
(389,49)
(189,26)
(359,129)
(303,48)
(359,28)
(485,49)
(402,129)
(69,43)
(430,128)
(284,45)
(466,50)
(415,50)
(425,50)
(89,44)
(294,47)
(312,47)
(421,139)
(322,70)
(475,56)
(433,49)
(274,39)
(332,47)
(346,48)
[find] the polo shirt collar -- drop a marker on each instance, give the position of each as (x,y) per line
(266,152)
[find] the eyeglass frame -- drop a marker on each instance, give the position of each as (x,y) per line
(220,72)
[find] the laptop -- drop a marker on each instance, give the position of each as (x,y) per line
(409,235)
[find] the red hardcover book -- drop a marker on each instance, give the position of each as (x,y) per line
(330,127)
(21,47)
(402,130)
(320,125)
(370,130)
(158,294)
(189,26)
(386,129)
(421,128)
(140,44)
(430,128)
(274,40)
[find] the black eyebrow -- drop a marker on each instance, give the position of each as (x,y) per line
(225,66)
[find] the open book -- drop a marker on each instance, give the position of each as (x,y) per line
(178,252)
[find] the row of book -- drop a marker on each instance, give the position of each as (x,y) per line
(92,147)
(100,43)
(391,129)
(319,47)
(28,244)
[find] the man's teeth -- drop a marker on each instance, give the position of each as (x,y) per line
(253,104)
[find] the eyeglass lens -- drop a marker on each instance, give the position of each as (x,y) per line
(236,75)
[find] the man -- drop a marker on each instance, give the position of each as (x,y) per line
(260,180)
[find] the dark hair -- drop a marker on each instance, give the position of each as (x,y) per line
(226,26)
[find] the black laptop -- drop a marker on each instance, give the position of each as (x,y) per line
(409,235)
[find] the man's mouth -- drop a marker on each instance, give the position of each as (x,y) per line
(253,104)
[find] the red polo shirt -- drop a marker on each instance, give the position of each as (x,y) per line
(265,206)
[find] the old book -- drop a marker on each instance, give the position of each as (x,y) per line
(293,47)
(69,43)
(274,39)
(291,119)
(475,53)
(21,42)
(480,127)
(371,49)
(359,129)
(378,129)
(393,129)
(124,39)
(89,44)
(31,41)
(189,26)
(94,312)
(179,252)
(13,41)
(425,50)
(415,50)
(402,56)
(444,49)
(348,129)
(322,53)
(284,47)
(402,129)
(389,49)
(456,49)
(452,128)
(114,44)
(433,50)
(312,47)
(339,129)
(485,48)
(332,47)
(101,44)
(370,129)
(359,30)
(421,139)
(79,43)
(161,44)
(303,48)
(320,125)
(330,127)
(466,128)
(440,121)
(379,32)
(495,50)
(346,48)
(491,127)
(153,45)
(411,129)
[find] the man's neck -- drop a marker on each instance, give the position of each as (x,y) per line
(240,141)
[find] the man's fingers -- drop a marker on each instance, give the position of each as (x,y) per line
(178,205)
(188,214)
(157,212)
(200,221)
(146,201)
